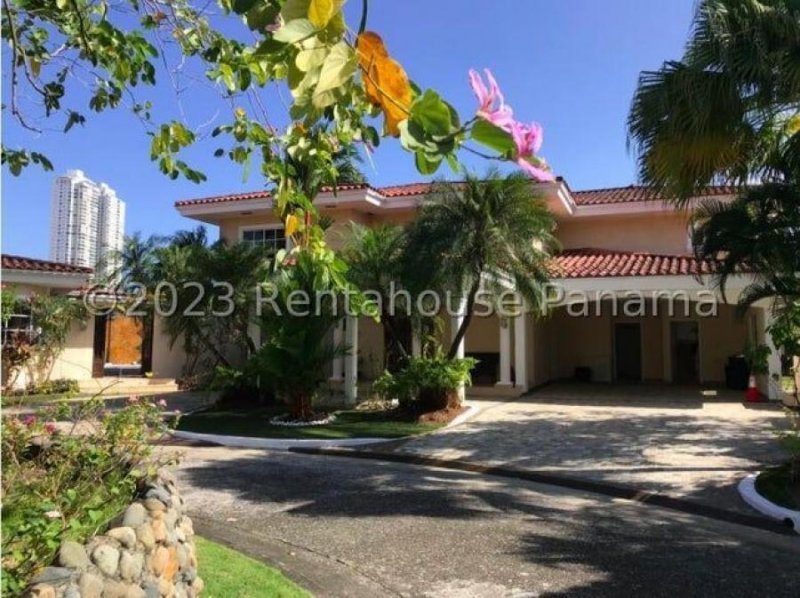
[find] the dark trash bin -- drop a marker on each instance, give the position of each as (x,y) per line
(736,373)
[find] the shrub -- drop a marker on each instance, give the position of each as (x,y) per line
(60,386)
(68,480)
(791,442)
(426,383)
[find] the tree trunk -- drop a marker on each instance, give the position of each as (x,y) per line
(300,407)
(462,330)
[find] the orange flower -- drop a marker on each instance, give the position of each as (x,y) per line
(385,82)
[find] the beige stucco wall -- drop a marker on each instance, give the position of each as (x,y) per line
(653,233)
(168,362)
(569,342)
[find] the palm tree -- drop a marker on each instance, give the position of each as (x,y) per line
(491,232)
(758,234)
(136,262)
(730,109)
(185,238)
(375,259)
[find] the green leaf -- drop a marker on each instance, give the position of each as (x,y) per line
(226,72)
(427,164)
(493,137)
(312,55)
(295,9)
(295,31)
(432,114)
(339,67)
(320,12)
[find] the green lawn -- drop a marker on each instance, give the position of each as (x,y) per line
(230,574)
(348,424)
(774,485)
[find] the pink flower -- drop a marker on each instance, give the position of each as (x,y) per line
(50,428)
(29,420)
(502,115)
(161,403)
(133,399)
(528,140)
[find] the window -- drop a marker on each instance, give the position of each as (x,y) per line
(272,239)
(18,324)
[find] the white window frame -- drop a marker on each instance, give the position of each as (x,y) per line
(269,226)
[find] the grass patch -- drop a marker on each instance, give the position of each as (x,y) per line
(230,574)
(774,484)
(348,424)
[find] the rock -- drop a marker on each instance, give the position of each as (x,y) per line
(151,590)
(171,518)
(131,565)
(197,585)
(145,535)
(153,504)
(135,515)
(158,561)
(159,530)
(107,559)
(166,587)
(90,586)
(180,535)
(183,556)
(53,575)
(189,575)
(166,475)
(42,590)
(172,563)
(72,592)
(124,535)
(73,555)
(118,589)
(187,527)
(160,494)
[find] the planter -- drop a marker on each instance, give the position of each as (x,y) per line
(148,551)
(748,492)
(434,399)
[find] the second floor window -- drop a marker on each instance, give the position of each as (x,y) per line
(272,239)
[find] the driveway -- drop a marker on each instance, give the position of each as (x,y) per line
(344,527)
(679,441)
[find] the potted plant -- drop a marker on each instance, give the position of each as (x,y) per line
(756,357)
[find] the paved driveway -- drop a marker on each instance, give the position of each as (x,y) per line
(657,438)
(350,528)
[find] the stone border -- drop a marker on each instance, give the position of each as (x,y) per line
(148,552)
(748,492)
(284,444)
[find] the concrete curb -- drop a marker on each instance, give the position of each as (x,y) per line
(619,491)
(285,444)
(748,492)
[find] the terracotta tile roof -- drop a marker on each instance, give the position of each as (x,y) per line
(634,193)
(611,195)
(17,262)
(257,195)
(598,263)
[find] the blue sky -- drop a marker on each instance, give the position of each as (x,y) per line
(572,65)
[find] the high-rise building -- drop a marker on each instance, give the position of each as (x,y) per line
(87,223)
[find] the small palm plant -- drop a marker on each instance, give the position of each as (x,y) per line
(492,233)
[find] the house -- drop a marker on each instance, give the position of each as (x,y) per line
(103,347)
(632,304)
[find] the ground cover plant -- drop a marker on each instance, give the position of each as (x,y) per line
(66,474)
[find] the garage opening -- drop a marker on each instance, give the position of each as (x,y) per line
(628,352)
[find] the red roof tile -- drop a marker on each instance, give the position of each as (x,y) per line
(257,195)
(599,263)
(634,193)
(16,262)
(612,195)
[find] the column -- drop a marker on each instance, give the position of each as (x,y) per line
(774,385)
(351,360)
(455,324)
(337,373)
(521,352)
(505,352)
(416,340)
